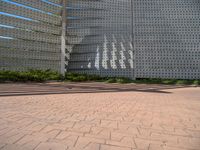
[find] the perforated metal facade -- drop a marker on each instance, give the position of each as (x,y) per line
(166,38)
(99,37)
(128,38)
(30,35)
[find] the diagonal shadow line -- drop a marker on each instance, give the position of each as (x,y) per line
(102,86)
(121,88)
(73,88)
(25,93)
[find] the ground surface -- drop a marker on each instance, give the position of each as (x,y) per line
(98,116)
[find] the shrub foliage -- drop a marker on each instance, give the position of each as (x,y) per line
(42,76)
(31,75)
(74,77)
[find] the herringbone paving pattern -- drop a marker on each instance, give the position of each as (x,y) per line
(129,120)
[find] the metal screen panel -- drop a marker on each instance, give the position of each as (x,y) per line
(29,13)
(31,25)
(29,45)
(127,38)
(167,38)
(38,4)
(18,64)
(15,53)
(55,1)
(99,37)
(30,37)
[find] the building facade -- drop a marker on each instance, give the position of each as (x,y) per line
(126,38)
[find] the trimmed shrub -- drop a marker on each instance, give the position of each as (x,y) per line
(31,75)
(196,82)
(123,80)
(75,77)
(41,76)
(111,80)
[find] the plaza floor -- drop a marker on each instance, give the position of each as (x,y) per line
(99,116)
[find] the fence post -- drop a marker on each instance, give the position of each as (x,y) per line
(63,37)
(133,71)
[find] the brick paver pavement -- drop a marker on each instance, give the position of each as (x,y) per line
(165,119)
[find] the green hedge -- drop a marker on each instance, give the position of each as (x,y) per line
(31,75)
(168,81)
(75,77)
(41,76)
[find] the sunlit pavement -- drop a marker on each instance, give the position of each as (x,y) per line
(98,116)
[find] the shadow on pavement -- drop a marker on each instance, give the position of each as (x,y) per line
(23,89)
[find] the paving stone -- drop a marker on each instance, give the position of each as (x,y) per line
(11,139)
(129,120)
(169,139)
(38,137)
(30,145)
(51,146)
(2,144)
(110,147)
(92,146)
(99,132)
(108,124)
(14,147)
(65,134)
(158,147)
(188,142)
(124,142)
(83,142)
(81,127)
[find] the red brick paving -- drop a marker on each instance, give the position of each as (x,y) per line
(97,116)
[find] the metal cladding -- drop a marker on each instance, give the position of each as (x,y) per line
(30,35)
(167,38)
(99,37)
(126,38)
(151,39)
